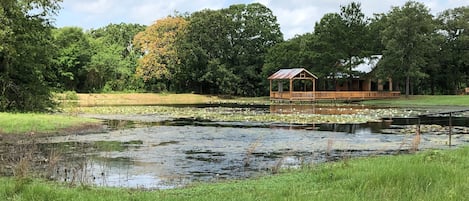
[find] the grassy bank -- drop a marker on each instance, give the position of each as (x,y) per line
(157,99)
(455,100)
(39,123)
(430,175)
(171,99)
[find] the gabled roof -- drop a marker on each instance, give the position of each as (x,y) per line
(286,74)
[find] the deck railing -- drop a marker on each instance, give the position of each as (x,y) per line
(333,95)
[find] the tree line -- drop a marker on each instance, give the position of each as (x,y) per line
(230,51)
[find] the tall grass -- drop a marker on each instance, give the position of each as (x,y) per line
(430,175)
(17,123)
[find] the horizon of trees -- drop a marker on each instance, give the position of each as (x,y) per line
(230,51)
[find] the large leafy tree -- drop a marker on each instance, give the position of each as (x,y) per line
(454,54)
(112,66)
(254,30)
(355,29)
(25,54)
(159,45)
(406,38)
(233,42)
(73,54)
(342,39)
(207,35)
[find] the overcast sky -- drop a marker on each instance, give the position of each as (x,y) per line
(294,16)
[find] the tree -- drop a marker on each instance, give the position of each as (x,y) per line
(234,40)
(374,34)
(330,33)
(159,46)
(406,38)
(355,36)
(208,38)
(73,55)
(454,54)
(342,39)
(113,64)
(254,31)
(25,54)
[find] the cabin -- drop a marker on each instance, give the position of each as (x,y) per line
(298,84)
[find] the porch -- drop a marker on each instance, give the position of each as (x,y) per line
(332,95)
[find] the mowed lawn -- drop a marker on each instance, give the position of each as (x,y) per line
(21,123)
(441,100)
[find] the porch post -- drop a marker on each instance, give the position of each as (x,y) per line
(390,84)
(314,89)
(270,89)
(380,85)
(291,88)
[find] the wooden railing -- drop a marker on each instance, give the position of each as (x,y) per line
(333,95)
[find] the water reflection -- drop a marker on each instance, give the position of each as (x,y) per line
(149,151)
(171,156)
(317,109)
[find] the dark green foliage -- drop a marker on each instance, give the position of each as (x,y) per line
(74,52)
(453,54)
(25,54)
(112,67)
(406,39)
(229,51)
(230,46)
(94,61)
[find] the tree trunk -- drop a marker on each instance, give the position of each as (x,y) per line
(407,86)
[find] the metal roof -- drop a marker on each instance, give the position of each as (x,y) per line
(286,74)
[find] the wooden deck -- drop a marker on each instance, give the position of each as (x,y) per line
(332,95)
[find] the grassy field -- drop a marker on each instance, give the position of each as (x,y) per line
(171,99)
(11,123)
(430,175)
(143,99)
(158,99)
(455,100)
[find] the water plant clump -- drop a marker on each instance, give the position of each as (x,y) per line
(252,114)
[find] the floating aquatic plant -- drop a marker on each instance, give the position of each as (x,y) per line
(251,114)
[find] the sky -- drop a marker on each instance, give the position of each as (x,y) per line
(295,17)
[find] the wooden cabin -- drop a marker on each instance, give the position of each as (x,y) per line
(298,84)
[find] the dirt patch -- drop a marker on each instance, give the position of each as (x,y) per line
(85,128)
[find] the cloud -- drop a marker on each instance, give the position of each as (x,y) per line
(148,11)
(294,16)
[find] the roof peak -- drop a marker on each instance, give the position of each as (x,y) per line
(290,73)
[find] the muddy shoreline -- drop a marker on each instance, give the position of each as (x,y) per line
(154,151)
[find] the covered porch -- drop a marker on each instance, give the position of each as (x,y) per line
(333,95)
(301,85)
(298,84)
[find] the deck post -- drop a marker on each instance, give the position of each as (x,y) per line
(380,85)
(291,89)
(314,89)
(270,89)
(390,84)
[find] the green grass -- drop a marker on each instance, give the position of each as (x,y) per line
(20,123)
(430,175)
(454,100)
(114,99)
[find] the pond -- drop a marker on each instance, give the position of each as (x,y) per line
(159,152)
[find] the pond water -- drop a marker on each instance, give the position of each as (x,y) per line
(156,152)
